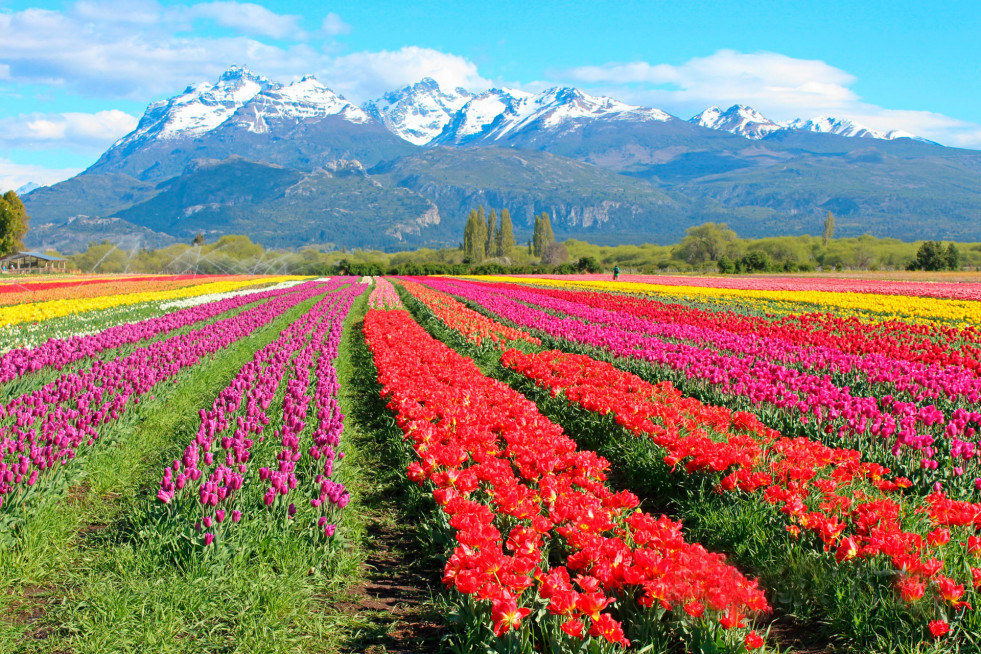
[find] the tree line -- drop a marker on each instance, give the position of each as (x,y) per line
(484,236)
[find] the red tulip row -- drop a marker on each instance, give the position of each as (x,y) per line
(855,508)
(916,436)
(929,344)
(513,487)
(475,327)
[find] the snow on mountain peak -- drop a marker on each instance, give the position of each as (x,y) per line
(419,112)
(746,121)
(239,97)
(737,119)
(499,112)
(844,127)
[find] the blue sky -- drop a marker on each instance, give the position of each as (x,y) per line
(76,75)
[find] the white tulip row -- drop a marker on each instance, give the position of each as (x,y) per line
(212,297)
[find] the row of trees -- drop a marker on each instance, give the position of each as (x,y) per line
(485,236)
(13,223)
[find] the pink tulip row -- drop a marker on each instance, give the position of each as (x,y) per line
(240,413)
(42,431)
(950,290)
(384,295)
(899,429)
(57,353)
(917,381)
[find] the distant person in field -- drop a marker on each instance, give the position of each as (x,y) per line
(616,272)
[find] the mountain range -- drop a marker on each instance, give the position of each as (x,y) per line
(297,164)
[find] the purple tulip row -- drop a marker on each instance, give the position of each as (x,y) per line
(918,381)
(42,431)
(58,353)
(896,428)
(239,414)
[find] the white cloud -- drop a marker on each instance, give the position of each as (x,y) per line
(781,87)
(364,75)
(100,49)
(250,18)
(784,84)
(105,49)
(13,175)
(333,25)
(76,131)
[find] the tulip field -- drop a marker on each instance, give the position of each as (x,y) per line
(575,464)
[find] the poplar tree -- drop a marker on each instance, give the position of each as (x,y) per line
(536,237)
(547,236)
(505,235)
(474,238)
(829,228)
(490,247)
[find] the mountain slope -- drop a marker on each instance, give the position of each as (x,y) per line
(284,207)
(582,199)
(290,164)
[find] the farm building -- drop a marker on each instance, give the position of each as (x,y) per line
(20,262)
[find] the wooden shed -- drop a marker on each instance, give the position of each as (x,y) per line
(22,262)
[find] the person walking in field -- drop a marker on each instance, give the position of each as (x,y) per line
(616,272)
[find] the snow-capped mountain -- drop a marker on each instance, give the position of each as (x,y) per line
(737,119)
(478,115)
(307,99)
(748,122)
(27,188)
(246,115)
(242,98)
(418,113)
(501,113)
(844,127)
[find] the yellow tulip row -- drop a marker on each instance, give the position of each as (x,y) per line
(40,311)
(866,305)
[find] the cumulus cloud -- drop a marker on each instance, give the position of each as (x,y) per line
(249,18)
(14,175)
(364,75)
(142,49)
(104,49)
(333,25)
(781,87)
(786,85)
(75,131)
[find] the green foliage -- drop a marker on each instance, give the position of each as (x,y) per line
(475,237)
(505,235)
(239,255)
(13,223)
(543,236)
(490,247)
(588,265)
(829,228)
(707,243)
(932,255)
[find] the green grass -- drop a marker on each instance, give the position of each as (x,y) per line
(91,575)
